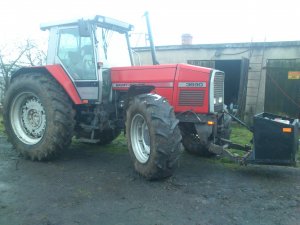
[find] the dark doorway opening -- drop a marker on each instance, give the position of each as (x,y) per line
(232,70)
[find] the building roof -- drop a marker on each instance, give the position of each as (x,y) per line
(222,45)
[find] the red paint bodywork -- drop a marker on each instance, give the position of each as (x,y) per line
(61,76)
(166,79)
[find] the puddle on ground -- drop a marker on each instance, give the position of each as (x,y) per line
(4,187)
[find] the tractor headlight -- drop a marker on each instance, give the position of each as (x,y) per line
(215,100)
(220,100)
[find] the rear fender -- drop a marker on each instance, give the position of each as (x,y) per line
(58,73)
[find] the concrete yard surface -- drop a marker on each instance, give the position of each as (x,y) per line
(84,187)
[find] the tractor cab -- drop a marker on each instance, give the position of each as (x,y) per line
(87,49)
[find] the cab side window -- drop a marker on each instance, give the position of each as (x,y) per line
(77,54)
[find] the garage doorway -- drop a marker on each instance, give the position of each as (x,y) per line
(235,84)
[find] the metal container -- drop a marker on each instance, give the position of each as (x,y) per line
(275,139)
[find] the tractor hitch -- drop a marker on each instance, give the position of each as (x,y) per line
(222,151)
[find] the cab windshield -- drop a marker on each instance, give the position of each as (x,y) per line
(112,48)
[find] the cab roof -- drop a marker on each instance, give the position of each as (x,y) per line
(98,20)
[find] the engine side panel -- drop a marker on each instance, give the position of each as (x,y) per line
(160,76)
(185,86)
(191,89)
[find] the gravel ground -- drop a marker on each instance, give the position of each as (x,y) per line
(100,187)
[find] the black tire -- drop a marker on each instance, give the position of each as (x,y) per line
(107,136)
(192,144)
(38,116)
(160,136)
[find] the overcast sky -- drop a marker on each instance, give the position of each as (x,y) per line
(211,21)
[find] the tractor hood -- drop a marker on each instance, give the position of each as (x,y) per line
(186,87)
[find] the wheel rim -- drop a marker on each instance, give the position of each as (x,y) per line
(140,138)
(28,118)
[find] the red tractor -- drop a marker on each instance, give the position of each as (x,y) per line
(91,89)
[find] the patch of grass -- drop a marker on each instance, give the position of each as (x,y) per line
(1,124)
(119,145)
(298,153)
(240,134)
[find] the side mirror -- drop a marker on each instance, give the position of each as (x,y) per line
(84,29)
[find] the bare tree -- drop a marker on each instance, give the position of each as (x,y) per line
(34,56)
(14,56)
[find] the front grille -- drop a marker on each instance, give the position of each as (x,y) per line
(219,91)
(191,97)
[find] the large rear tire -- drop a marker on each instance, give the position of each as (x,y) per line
(38,116)
(154,139)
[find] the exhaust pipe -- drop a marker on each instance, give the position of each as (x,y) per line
(152,47)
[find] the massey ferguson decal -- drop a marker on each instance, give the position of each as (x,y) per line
(122,85)
(155,84)
(192,84)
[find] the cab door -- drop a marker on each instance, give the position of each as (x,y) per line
(77,56)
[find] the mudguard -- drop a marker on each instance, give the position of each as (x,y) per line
(59,74)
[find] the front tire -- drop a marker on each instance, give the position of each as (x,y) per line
(38,116)
(154,139)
